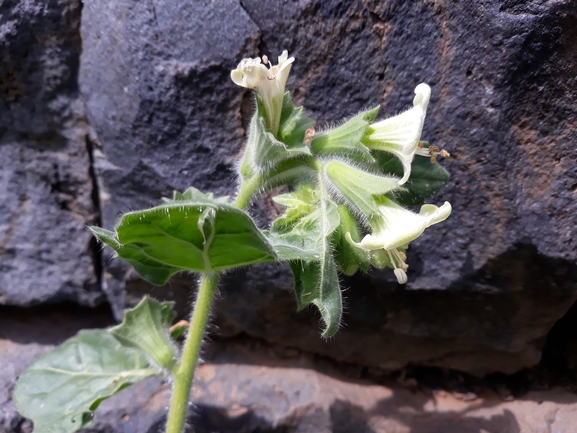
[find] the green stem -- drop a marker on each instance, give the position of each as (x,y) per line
(189,359)
(185,372)
(248,188)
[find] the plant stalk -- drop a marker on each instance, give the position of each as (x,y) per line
(247,191)
(189,359)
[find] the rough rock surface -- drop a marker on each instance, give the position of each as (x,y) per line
(247,386)
(107,106)
(46,254)
(503,78)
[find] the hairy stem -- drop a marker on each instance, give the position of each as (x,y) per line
(248,189)
(185,372)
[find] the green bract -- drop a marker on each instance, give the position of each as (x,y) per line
(346,139)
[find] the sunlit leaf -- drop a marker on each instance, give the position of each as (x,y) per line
(145,327)
(61,390)
(357,186)
(200,235)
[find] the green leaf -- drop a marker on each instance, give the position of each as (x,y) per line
(291,171)
(302,236)
(357,186)
(305,223)
(349,258)
(145,327)
(299,204)
(178,330)
(200,235)
(280,160)
(346,139)
(293,124)
(148,268)
(263,150)
(61,390)
(318,283)
(291,246)
(425,181)
(267,150)
(192,194)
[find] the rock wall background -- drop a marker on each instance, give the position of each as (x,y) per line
(107,106)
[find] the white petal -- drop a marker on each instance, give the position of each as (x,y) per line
(396,226)
(435,214)
(372,242)
(237,76)
(282,58)
(250,73)
(268,83)
(400,134)
(422,96)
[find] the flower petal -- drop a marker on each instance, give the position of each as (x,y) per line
(269,83)
(435,214)
(237,76)
(396,226)
(400,134)
(250,73)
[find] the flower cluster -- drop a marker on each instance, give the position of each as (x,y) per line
(346,158)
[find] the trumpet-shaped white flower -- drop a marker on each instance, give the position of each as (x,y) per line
(400,135)
(394,227)
(269,82)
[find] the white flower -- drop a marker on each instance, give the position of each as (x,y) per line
(400,135)
(268,82)
(394,228)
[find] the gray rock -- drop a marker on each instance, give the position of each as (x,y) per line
(479,331)
(160,100)
(139,97)
(249,387)
(11,421)
(46,253)
(152,75)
